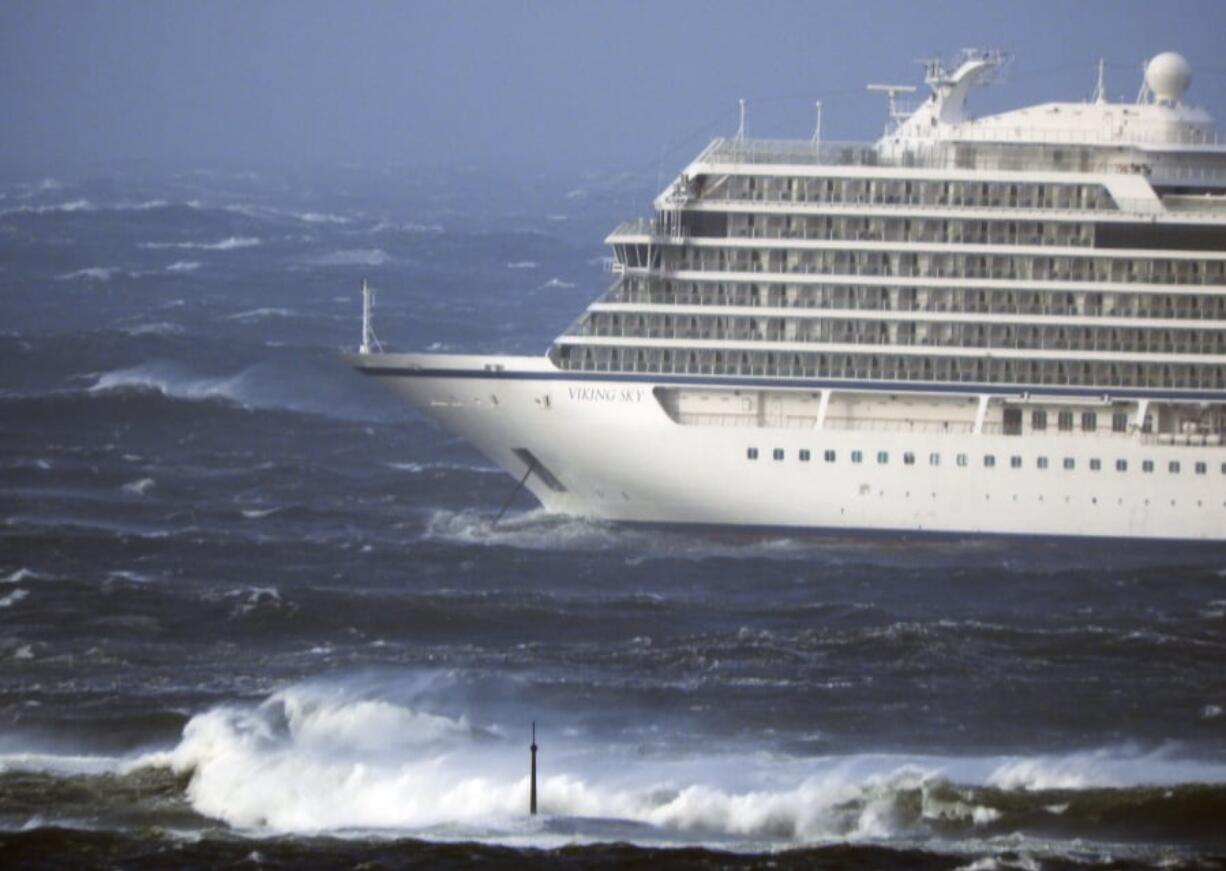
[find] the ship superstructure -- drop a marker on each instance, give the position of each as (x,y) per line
(1011,324)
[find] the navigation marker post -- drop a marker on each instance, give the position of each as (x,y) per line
(532,795)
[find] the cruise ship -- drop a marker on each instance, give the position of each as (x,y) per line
(1006,325)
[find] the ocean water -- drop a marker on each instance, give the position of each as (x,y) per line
(254,610)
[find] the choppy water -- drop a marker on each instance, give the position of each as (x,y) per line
(251,608)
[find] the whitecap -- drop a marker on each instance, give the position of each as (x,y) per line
(523,264)
(23,574)
(13,598)
(228,244)
(160,328)
(259,313)
(63,764)
(52,208)
(321,218)
(557,282)
(140,487)
(354,257)
(92,273)
(184,266)
(259,513)
(171,381)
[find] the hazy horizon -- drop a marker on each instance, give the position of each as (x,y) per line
(541,85)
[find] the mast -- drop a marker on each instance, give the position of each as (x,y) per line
(368,330)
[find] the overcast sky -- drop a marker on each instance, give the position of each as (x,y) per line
(567,84)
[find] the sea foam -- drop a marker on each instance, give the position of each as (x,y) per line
(329,756)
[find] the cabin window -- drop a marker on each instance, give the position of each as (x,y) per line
(1173,467)
(1089,421)
(1042,462)
(908,459)
(961,459)
(989,461)
(778,453)
(1121,465)
(804,455)
(883,457)
(830,456)
(1201,468)
(1038,420)
(1065,421)
(857,456)
(1070,463)
(1096,465)
(1119,422)
(1147,465)
(935,460)
(752,453)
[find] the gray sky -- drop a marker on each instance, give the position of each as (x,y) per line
(544,84)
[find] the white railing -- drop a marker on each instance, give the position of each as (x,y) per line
(981,152)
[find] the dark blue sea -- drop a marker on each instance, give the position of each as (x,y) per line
(254,611)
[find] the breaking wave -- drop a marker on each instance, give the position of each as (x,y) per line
(265,385)
(320,757)
(174,381)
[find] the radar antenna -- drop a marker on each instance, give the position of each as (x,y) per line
(897,113)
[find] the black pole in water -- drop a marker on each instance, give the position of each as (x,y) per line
(532,798)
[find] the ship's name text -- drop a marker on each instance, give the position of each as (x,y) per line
(606,394)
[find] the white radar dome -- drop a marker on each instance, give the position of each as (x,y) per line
(1168,76)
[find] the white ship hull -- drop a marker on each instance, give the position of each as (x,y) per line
(606,447)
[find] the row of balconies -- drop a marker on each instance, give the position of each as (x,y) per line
(1153,377)
(947,336)
(1186,273)
(1156,310)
